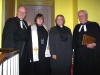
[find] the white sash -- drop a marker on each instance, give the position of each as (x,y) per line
(35,44)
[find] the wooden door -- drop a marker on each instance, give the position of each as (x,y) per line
(47,12)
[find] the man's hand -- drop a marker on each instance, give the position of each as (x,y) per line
(92,45)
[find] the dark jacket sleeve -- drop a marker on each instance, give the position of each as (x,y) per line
(52,41)
(96,32)
(74,41)
(8,34)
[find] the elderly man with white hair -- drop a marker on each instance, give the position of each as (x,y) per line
(15,35)
(86,41)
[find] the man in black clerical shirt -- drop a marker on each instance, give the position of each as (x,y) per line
(86,57)
(15,34)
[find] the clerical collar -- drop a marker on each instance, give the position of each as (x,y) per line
(19,19)
(60,26)
(84,23)
(39,26)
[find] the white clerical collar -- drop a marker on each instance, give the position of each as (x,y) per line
(61,26)
(84,27)
(21,19)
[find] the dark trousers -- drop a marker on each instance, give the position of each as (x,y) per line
(24,68)
(41,68)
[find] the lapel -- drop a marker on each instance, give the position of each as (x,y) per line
(18,22)
(30,33)
(30,45)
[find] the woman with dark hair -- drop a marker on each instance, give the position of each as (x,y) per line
(60,40)
(38,52)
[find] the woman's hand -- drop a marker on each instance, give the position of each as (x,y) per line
(92,45)
(54,57)
(29,23)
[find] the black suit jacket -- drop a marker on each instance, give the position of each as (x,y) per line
(28,53)
(13,36)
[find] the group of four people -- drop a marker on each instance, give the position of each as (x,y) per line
(49,52)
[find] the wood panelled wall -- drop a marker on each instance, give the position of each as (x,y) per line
(9,8)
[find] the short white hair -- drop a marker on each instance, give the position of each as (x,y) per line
(83,11)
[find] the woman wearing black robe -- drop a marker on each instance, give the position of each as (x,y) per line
(60,39)
(86,58)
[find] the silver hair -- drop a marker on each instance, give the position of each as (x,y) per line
(83,11)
